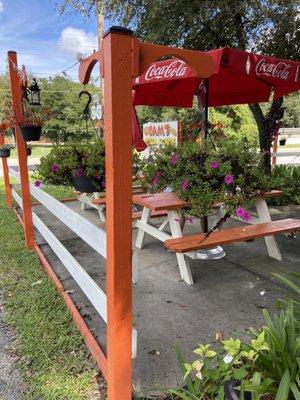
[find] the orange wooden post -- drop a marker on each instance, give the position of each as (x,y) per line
(117,46)
(16,93)
(8,198)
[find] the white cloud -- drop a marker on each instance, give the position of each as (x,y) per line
(73,40)
(1,7)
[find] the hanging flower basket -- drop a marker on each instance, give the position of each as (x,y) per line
(84,184)
(5,152)
(31,133)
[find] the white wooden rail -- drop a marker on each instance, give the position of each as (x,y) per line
(86,230)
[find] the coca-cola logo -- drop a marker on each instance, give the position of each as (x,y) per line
(279,70)
(177,68)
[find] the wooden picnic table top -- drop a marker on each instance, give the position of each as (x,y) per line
(171,201)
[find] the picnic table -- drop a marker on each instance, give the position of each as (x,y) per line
(171,204)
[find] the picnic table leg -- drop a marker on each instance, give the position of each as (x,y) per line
(185,271)
(141,234)
(264,216)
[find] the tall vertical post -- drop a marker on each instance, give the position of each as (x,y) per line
(8,198)
(16,94)
(117,54)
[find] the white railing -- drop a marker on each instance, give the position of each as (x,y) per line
(86,230)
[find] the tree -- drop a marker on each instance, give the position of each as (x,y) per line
(268,26)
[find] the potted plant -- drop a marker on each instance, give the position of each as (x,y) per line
(28,150)
(282,141)
(81,165)
(225,170)
(31,122)
(5,150)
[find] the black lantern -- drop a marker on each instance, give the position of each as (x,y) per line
(34,91)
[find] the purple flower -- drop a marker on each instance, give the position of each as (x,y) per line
(242,213)
(155,179)
(190,220)
(54,168)
(104,183)
(79,172)
(214,165)
(38,184)
(228,179)
(184,185)
(174,159)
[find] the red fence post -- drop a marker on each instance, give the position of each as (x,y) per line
(117,48)
(16,93)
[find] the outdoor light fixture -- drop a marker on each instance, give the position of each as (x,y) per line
(34,92)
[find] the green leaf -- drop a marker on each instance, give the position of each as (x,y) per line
(240,374)
(295,391)
(284,387)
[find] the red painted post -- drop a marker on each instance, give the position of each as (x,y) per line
(117,48)
(8,198)
(16,93)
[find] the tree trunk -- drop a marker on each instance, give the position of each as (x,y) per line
(267,126)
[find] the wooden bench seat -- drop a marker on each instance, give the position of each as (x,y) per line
(242,233)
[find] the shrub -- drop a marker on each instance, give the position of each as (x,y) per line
(287,179)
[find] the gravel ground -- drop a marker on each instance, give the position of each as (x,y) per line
(10,380)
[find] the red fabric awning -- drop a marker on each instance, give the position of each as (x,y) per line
(240,78)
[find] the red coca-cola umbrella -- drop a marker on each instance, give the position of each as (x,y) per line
(240,77)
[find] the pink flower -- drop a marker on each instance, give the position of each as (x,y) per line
(174,159)
(155,179)
(229,179)
(79,172)
(38,184)
(104,183)
(190,220)
(214,165)
(242,213)
(184,185)
(54,168)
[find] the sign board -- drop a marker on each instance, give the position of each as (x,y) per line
(158,133)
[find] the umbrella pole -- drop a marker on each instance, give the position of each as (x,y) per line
(204,221)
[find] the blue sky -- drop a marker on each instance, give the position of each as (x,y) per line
(45,42)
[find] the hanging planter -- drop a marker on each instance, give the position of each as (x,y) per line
(31,133)
(5,151)
(29,151)
(85,184)
(282,142)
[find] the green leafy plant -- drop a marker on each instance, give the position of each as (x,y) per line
(266,368)
(227,171)
(292,281)
(7,147)
(287,179)
(73,159)
(34,116)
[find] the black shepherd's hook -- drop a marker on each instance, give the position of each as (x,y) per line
(86,111)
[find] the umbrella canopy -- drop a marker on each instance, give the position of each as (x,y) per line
(240,78)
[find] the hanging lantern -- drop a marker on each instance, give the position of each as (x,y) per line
(34,92)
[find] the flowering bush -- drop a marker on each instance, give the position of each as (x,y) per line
(76,159)
(73,159)
(227,171)
(34,116)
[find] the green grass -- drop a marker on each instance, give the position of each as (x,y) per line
(37,152)
(53,359)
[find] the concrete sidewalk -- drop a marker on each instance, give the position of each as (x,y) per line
(228,294)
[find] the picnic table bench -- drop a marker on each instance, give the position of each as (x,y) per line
(186,246)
